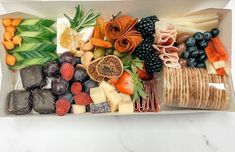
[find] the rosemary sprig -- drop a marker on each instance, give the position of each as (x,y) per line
(82,20)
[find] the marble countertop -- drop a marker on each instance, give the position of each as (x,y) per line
(201,132)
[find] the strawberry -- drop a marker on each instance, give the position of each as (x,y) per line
(76,87)
(125,84)
(143,74)
(67,71)
(113,80)
(62,107)
(82,98)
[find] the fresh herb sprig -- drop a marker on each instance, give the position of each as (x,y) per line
(130,65)
(82,20)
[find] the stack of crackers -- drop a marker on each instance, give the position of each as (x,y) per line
(194,88)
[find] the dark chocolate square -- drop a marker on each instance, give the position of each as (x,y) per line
(43,101)
(19,102)
(32,77)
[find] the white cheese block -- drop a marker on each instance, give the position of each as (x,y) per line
(125,97)
(61,24)
(126,107)
(108,88)
(114,98)
(78,108)
(97,95)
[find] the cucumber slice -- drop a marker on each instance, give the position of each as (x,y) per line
(34,40)
(44,22)
(42,35)
(32,61)
(36,28)
(44,46)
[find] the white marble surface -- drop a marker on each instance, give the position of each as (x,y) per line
(202,132)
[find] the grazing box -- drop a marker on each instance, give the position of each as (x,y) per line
(10,80)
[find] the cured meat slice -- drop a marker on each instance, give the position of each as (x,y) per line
(119,26)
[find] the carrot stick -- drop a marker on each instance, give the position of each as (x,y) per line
(211,52)
(102,24)
(219,48)
(97,33)
(100,43)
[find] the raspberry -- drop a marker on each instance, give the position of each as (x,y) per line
(76,87)
(62,107)
(82,98)
(67,71)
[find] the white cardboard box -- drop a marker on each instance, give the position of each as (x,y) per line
(162,8)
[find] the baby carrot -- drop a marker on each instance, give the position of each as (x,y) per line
(8,45)
(10,59)
(16,22)
(8,36)
(100,43)
(10,29)
(6,22)
(17,40)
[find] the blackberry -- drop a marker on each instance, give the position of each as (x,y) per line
(153,63)
(149,39)
(154,18)
(146,26)
(143,49)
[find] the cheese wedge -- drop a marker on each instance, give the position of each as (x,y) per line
(114,98)
(78,108)
(97,95)
(126,107)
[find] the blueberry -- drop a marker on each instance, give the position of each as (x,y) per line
(191,49)
(198,36)
(201,65)
(185,54)
(207,36)
(202,45)
(191,41)
(201,52)
(202,57)
(192,62)
(215,32)
(194,54)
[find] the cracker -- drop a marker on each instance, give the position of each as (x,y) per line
(200,93)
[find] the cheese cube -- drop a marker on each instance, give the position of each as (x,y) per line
(97,95)
(126,107)
(219,64)
(125,97)
(209,67)
(114,98)
(107,87)
(78,108)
